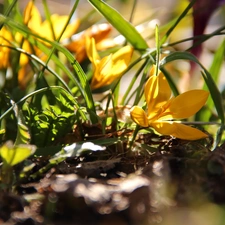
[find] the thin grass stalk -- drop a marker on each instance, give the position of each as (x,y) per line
(170,81)
(116,93)
(8,11)
(183,14)
(140,88)
(132,82)
(157,49)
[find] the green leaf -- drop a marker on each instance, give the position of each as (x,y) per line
(82,149)
(23,135)
(75,150)
(122,25)
(12,155)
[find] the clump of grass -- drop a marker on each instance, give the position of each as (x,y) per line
(51,73)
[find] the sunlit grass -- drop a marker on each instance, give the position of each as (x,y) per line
(51,70)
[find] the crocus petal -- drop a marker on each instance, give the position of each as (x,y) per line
(121,60)
(91,50)
(32,17)
(33,20)
(157,92)
(108,68)
(102,71)
(105,65)
(5,39)
(188,103)
(105,44)
(178,130)
(99,31)
(59,23)
(139,116)
(202,12)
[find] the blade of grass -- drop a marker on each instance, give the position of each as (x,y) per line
(139,90)
(183,14)
(133,80)
(122,25)
(48,17)
(170,81)
(8,11)
(157,49)
(205,37)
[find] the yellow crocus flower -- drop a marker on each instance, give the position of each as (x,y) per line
(5,39)
(109,68)
(32,19)
(162,109)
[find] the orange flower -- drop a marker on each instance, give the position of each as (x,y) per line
(99,32)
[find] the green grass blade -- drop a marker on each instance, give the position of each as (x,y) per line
(170,81)
(183,14)
(48,17)
(122,25)
(8,10)
(157,48)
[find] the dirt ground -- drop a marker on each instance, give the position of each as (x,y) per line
(176,179)
(163,181)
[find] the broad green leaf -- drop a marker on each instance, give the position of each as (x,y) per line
(122,25)
(12,155)
(81,149)
(23,135)
(76,149)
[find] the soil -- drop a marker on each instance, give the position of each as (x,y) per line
(119,186)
